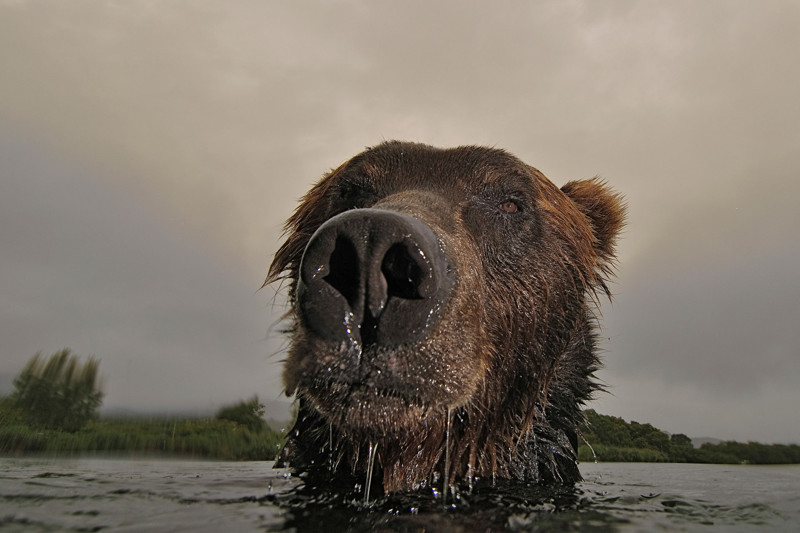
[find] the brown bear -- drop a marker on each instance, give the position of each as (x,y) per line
(442,317)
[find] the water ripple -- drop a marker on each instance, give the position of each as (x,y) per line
(153,495)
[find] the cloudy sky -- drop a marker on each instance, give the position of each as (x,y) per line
(150,152)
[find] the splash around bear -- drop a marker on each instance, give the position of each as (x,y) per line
(443,316)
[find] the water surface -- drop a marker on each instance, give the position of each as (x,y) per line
(170,495)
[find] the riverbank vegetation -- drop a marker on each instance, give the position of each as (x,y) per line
(54,410)
(611,439)
(200,438)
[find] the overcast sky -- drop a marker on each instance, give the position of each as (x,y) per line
(150,152)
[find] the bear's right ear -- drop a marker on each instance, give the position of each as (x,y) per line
(605,210)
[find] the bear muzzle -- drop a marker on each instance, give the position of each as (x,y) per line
(372,277)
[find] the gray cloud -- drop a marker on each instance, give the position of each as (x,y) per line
(86,266)
(190,128)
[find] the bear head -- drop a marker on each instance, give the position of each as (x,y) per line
(442,316)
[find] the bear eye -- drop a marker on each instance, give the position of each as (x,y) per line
(508,206)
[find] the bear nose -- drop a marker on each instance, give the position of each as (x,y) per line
(371,276)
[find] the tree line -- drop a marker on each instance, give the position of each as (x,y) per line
(54,408)
(610,438)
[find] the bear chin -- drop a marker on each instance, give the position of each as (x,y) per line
(395,395)
(368,410)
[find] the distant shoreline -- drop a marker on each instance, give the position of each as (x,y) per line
(604,439)
(612,439)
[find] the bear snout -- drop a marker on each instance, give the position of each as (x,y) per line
(372,277)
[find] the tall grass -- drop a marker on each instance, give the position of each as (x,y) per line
(206,438)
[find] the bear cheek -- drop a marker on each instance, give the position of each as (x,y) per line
(462,342)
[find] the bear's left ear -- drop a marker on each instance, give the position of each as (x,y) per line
(605,210)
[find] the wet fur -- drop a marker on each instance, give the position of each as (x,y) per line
(512,357)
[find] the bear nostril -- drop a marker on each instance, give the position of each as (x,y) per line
(369,276)
(343,268)
(403,273)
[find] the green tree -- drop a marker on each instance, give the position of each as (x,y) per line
(58,392)
(609,430)
(248,413)
(613,439)
(680,440)
(647,436)
(681,448)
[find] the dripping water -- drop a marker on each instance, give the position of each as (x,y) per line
(446,476)
(589,445)
(330,447)
(370,466)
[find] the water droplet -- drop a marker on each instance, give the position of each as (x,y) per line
(446,476)
(370,466)
(330,448)
(594,455)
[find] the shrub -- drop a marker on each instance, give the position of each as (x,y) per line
(58,392)
(246,413)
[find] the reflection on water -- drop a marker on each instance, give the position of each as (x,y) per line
(159,495)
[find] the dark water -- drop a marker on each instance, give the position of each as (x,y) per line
(167,495)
